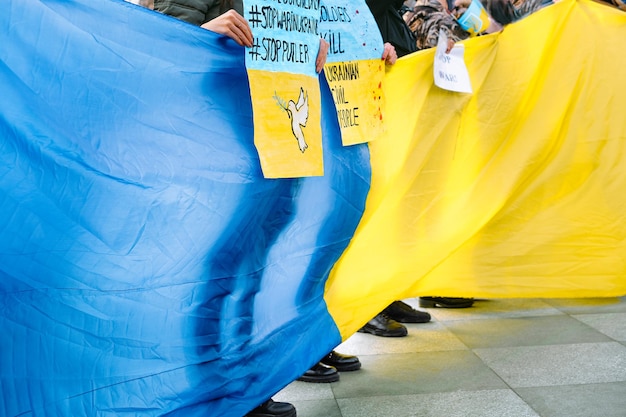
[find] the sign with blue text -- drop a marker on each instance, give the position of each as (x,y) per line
(354,68)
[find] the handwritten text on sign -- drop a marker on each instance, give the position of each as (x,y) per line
(334,14)
(350,29)
(450,71)
(285,35)
(336,74)
(354,68)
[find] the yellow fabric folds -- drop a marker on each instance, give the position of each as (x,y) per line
(517,190)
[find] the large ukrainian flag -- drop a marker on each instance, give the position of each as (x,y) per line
(147,268)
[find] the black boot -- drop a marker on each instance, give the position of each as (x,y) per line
(341,362)
(271,408)
(404,313)
(320,373)
(446,302)
(382,325)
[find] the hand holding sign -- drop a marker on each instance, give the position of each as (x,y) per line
(450,71)
(233,25)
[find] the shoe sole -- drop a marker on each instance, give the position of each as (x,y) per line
(319,380)
(435,304)
(382,333)
(414,321)
(290,414)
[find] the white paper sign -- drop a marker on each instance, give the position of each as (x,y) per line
(450,71)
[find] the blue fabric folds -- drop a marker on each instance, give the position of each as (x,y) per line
(146,267)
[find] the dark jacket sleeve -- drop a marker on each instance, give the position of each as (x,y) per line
(197,12)
(391,25)
(379,7)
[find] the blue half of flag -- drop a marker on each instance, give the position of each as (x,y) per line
(146,267)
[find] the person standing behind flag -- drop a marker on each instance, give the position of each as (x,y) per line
(225,17)
(426,18)
(210,15)
(399,41)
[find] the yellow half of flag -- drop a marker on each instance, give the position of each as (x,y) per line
(287,123)
(516,190)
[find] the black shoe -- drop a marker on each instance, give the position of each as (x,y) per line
(341,362)
(320,373)
(382,325)
(445,302)
(404,313)
(271,408)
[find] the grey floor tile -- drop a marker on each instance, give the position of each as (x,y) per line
(533,366)
(423,337)
(298,391)
(496,308)
(596,400)
(611,324)
(417,373)
(562,357)
(496,403)
(589,305)
(524,331)
(317,408)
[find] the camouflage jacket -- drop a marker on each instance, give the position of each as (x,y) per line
(426,18)
(620,4)
(508,11)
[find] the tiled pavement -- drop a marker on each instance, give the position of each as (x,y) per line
(499,358)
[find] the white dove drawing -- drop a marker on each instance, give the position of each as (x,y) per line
(299,113)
